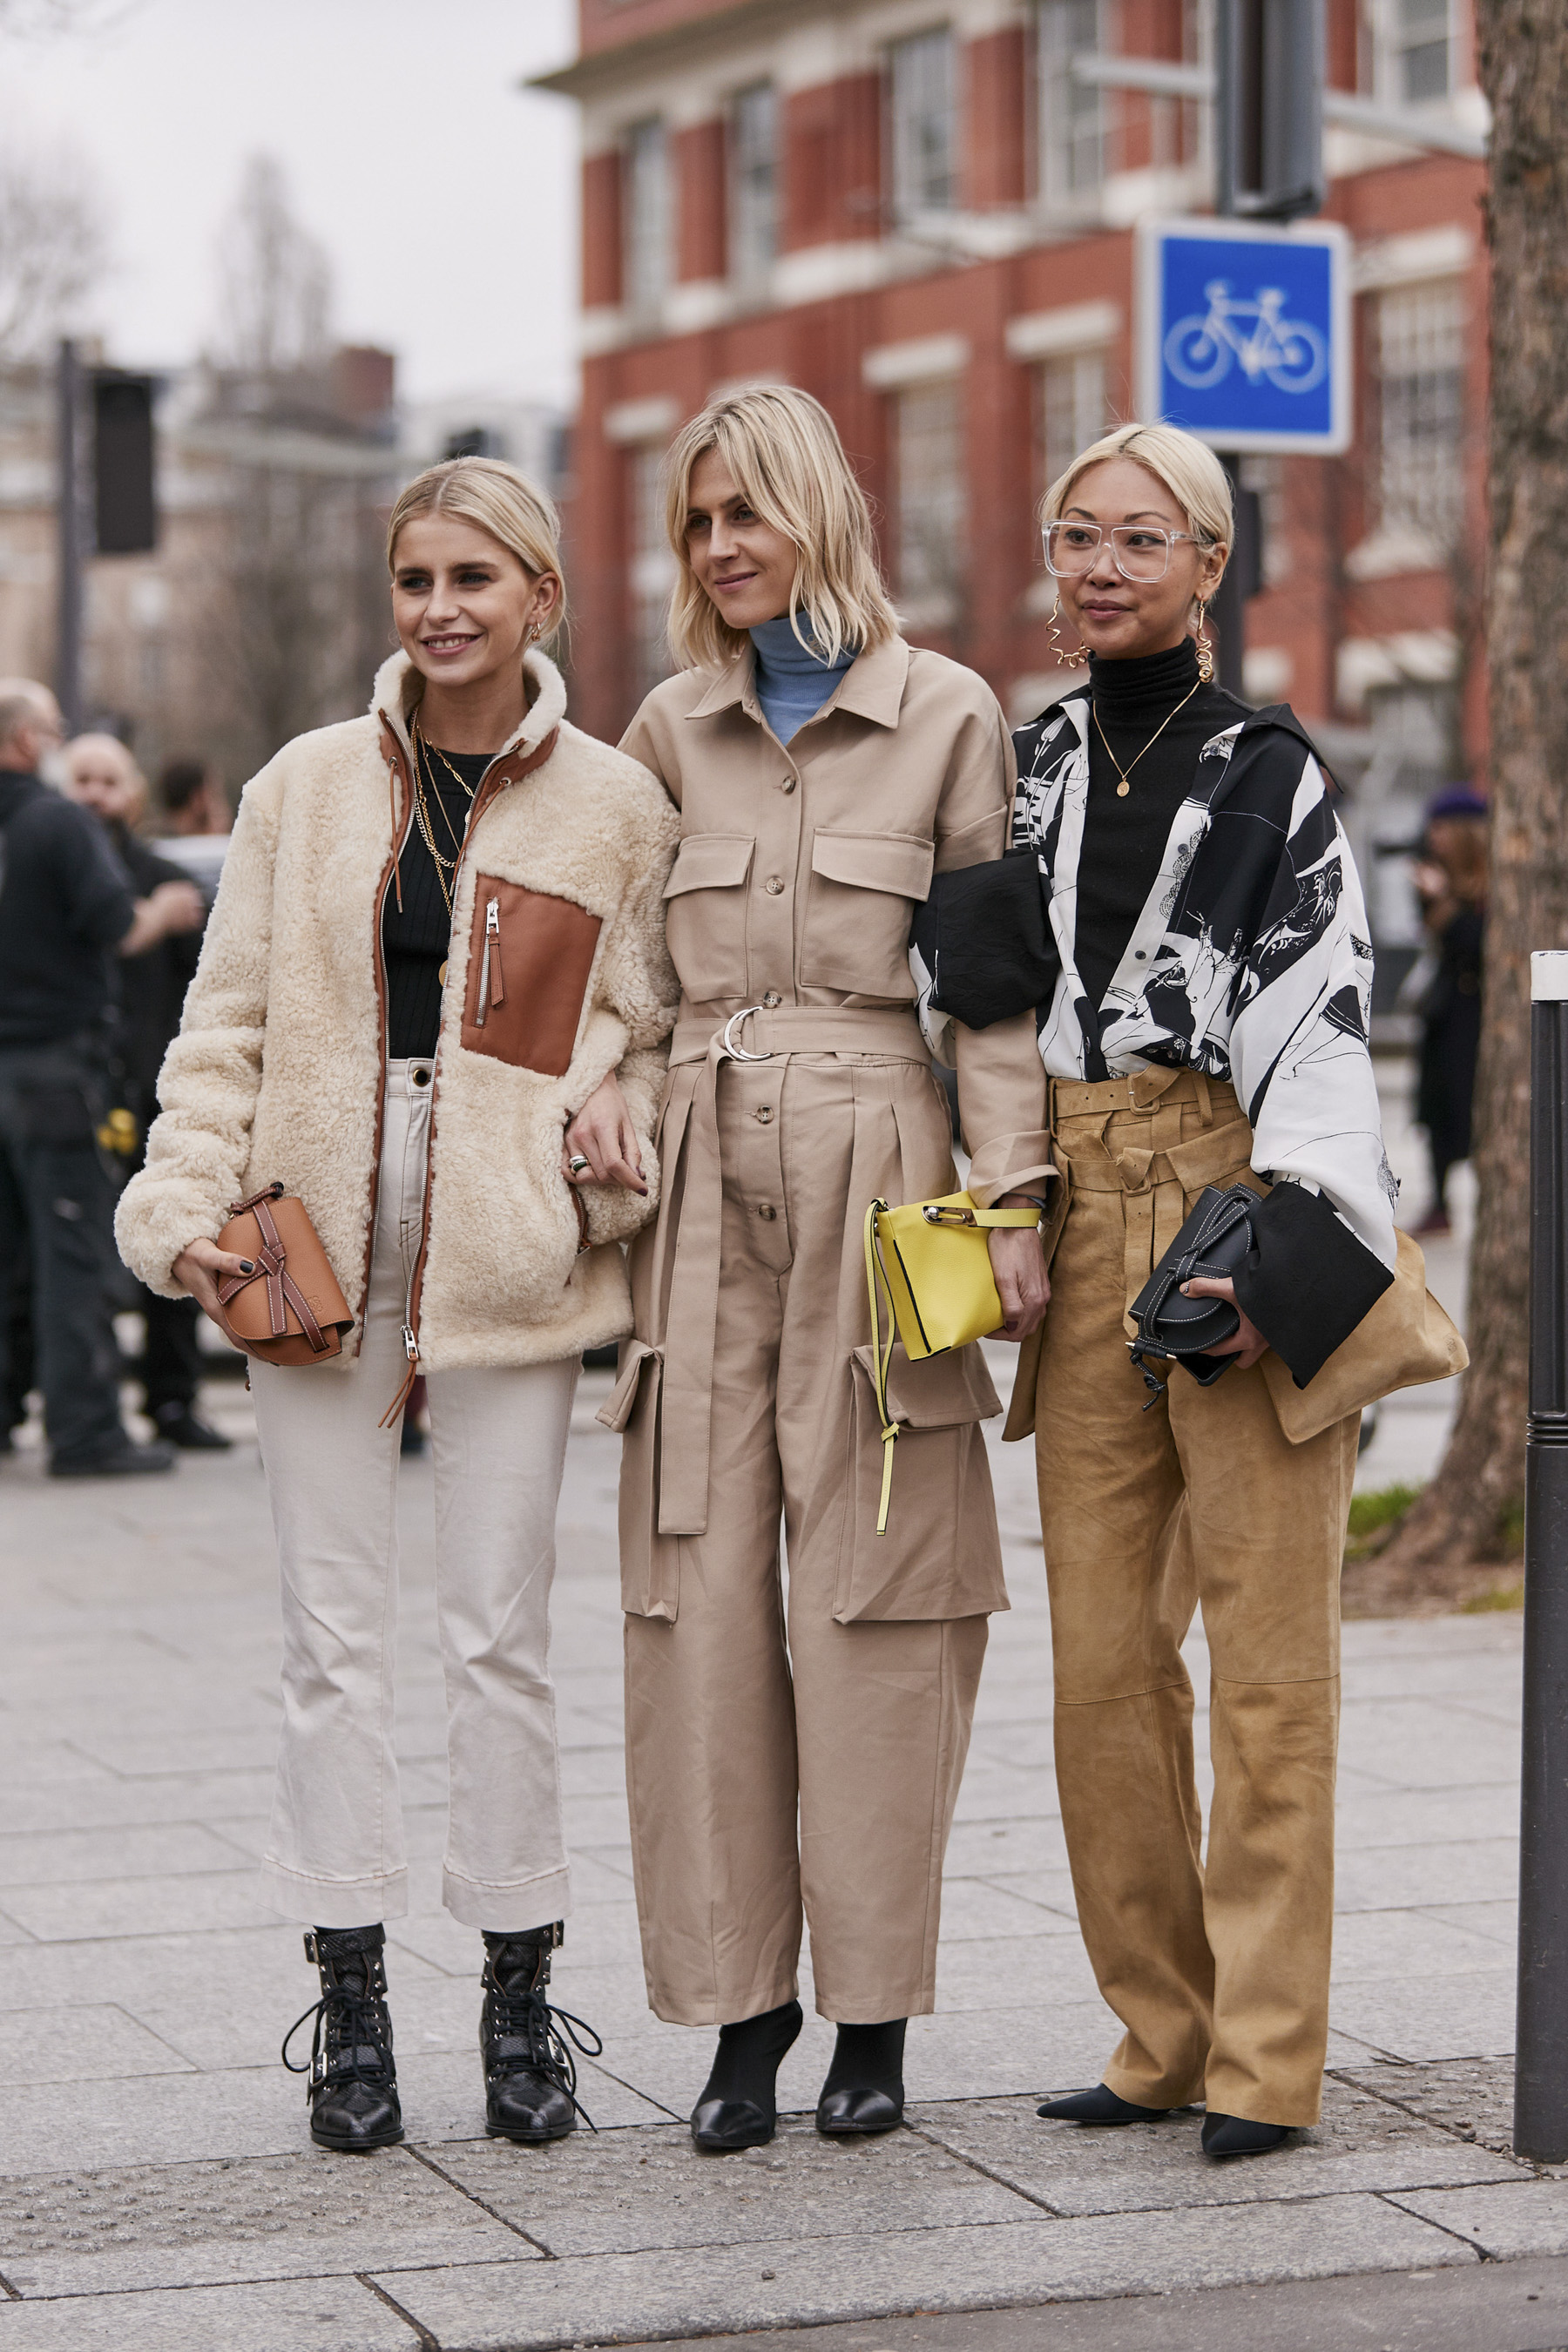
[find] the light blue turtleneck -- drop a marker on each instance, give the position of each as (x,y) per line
(792,683)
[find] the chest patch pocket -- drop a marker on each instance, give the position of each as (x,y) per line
(858,913)
(530,956)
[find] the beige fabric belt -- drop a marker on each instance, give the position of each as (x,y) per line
(1089,1121)
(690,1124)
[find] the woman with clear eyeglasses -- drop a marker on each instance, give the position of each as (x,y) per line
(1207,1026)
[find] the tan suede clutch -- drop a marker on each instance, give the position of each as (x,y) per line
(291,1310)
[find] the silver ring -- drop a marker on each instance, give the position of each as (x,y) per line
(739,1053)
(578,1161)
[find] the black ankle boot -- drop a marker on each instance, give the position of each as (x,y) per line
(352,2086)
(1239,2135)
(1098,2105)
(737,2108)
(530,2076)
(863,2092)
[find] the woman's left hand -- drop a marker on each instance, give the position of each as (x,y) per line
(1248,1343)
(602,1134)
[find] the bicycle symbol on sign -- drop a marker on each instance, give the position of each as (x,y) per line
(1291,355)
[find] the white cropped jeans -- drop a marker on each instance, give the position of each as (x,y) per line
(335,1853)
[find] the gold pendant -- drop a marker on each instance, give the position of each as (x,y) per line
(441,975)
(1122,789)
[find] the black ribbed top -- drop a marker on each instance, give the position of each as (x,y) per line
(1124,839)
(415,942)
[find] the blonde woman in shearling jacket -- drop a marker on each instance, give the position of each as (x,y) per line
(438,941)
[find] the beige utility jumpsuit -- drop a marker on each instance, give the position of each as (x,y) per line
(800,1089)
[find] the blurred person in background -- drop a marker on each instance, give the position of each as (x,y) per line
(69,915)
(198,820)
(102,776)
(1451,882)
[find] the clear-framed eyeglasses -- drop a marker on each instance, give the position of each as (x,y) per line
(1139,551)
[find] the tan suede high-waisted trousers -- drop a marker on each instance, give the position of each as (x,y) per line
(1218,1968)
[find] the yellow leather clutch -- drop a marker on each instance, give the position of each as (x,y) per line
(931,1259)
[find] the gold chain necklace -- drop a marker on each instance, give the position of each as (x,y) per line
(1124,787)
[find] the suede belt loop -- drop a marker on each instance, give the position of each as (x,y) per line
(691,1329)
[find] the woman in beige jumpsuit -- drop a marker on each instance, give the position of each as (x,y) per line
(800,1089)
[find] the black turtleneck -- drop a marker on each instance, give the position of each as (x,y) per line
(1124,839)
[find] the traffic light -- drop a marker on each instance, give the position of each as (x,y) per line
(1270,92)
(126,508)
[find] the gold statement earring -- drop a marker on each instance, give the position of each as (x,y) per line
(1205,645)
(1065,660)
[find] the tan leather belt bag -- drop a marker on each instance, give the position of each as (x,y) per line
(291,1310)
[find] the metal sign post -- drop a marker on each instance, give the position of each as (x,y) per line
(70,536)
(1540,2080)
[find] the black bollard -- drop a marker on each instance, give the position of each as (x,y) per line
(1540,2081)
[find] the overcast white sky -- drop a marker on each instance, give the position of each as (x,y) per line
(446,198)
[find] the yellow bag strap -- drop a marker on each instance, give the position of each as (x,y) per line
(881,1357)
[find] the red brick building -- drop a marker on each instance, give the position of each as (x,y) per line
(923,211)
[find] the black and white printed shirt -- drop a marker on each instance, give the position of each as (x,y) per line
(1250,960)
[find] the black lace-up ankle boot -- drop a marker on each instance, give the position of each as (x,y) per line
(352,2086)
(530,2075)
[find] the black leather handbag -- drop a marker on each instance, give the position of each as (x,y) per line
(1213,1243)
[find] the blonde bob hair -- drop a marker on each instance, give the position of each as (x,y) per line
(1187,466)
(782,450)
(497,499)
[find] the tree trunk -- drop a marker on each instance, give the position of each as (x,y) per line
(1524,60)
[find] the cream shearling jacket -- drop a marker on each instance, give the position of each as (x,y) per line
(558,974)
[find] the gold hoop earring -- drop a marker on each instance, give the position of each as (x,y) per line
(1065,660)
(1206,645)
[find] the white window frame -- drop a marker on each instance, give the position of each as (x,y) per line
(929,585)
(648,217)
(651,568)
(1396,41)
(1088,389)
(1419,494)
(753,224)
(1072,118)
(911,187)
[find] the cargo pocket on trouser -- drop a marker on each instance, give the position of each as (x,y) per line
(650,1563)
(940,1555)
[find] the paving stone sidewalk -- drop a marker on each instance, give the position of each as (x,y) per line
(156,2187)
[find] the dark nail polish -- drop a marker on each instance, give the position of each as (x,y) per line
(248,1266)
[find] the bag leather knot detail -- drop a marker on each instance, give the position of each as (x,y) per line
(1210,1246)
(291,1310)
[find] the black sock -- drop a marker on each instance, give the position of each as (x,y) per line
(749,2056)
(868,2058)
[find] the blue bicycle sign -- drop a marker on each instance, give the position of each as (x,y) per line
(1290,353)
(1244,333)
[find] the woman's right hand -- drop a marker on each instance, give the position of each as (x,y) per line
(1023,1284)
(198,1267)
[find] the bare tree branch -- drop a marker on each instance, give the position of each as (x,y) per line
(53,242)
(274,280)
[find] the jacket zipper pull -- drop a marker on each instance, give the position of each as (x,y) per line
(492,930)
(492,953)
(411,1349)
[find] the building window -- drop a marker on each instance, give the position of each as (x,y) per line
(1265,475)
(1418,360)
(1417,50)
(648,217)
(652,564)
(924,124)
(927,469)
(1071,112)
(1072,409)
(753,183)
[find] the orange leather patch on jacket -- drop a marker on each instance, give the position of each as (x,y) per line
(530,956)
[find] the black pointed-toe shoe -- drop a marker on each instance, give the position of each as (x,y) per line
(864,2092)
(530,2075)
(353,2081)
(1098,2105)
(1238,2135)
(857,2112)
(737,2108)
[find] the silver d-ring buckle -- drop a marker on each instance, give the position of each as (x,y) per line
(739,1053)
